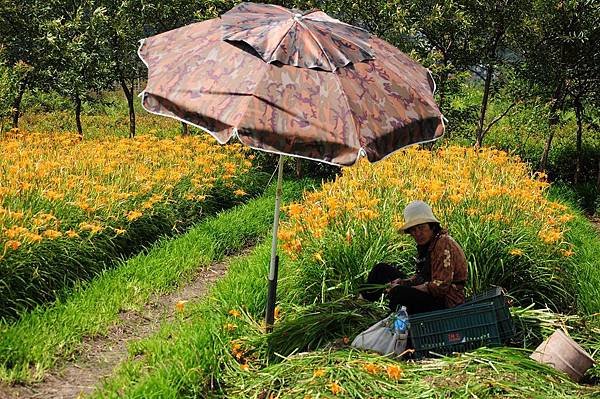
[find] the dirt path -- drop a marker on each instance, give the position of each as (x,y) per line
(100,355)
(596,222)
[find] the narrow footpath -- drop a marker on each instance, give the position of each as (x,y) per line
(100,355)
(596,222)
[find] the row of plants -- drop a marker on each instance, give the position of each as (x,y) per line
(69,208)
(38,341)
(525,129)
(514,235)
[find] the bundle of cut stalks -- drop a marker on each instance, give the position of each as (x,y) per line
(333,369)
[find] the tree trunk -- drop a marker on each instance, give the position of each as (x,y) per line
(78,116)
(184,129)
(443,83)
(544,159)
(298,167)
(557,102)
(484,103)
(598,177)
(442,89)
(17,103)
(579,115)
(129,95)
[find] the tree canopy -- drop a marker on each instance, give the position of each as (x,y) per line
(542,48)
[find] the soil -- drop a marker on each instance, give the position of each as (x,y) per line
(596,222)
(101,354)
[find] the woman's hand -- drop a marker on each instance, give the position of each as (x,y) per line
(394,283)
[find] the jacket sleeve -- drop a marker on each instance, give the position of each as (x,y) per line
(446,258)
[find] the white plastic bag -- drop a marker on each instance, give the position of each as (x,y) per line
(381,337)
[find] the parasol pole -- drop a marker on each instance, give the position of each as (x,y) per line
(273,269)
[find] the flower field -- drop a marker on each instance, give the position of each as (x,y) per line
(513,235)
(68,207)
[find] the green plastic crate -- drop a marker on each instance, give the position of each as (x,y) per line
(503,316)
(458,329)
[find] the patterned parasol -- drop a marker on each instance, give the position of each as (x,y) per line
(301,84)
(293,83)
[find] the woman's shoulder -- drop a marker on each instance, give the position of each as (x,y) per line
(445,239)
(447,243)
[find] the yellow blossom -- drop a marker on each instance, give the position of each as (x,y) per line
(550,236)
(277,312)
(53,195)
(567,252)
(456,198)
(294,210)
(83,205)
(394,372)
(237,350)
(180,305)
(12,244)
(33,237)
(284,235)
(335,388)
(133,215)
(52,234)
(239,193)
(91,227)
(318,373)
(230,327)
(319,257)
(565,218)
(72,234)
(16,215)
(234,313)
(371,368)
(516,252)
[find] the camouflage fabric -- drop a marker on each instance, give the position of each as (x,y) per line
(371,107)
(309,39)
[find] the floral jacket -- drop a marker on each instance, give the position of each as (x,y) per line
(442,265)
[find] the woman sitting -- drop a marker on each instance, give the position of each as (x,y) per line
(441,268)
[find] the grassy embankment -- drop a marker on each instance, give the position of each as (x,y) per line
(35,343)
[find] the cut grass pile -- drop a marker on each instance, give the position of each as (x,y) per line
(487,372)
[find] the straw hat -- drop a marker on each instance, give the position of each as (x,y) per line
(417,212)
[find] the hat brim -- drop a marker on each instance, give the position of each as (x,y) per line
(418,221)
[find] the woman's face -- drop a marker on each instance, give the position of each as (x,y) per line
(422,233)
